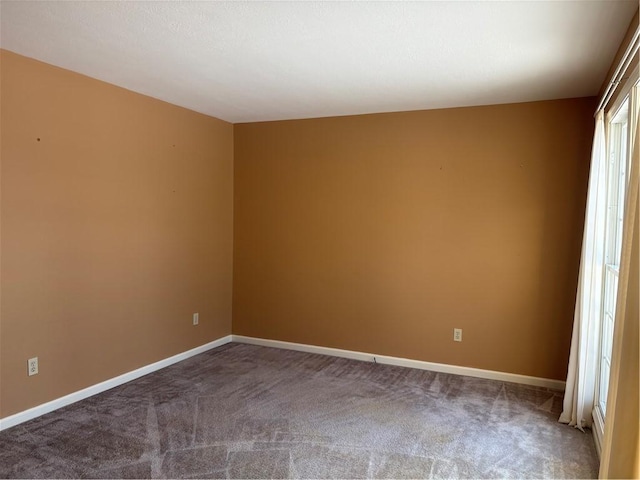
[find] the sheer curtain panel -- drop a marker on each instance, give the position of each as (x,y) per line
(581,376)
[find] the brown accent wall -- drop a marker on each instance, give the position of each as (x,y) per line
(117,225)
(381,233)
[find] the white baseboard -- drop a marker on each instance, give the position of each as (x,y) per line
(597,430)
(39,410)
(596,440)
(34,412)
(405,362)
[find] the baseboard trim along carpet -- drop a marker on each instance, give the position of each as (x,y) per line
(405,362)
(39,410)
(34,412)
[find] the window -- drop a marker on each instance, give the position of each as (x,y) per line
(617,149)
(619,144)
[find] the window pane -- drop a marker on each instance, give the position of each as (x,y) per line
(618,139)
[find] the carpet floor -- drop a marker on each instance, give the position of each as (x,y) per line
(243,411)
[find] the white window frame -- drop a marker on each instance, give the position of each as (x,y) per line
(628,92)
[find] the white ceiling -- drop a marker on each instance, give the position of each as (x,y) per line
(252,61)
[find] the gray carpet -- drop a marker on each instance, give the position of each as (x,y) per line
(242,411)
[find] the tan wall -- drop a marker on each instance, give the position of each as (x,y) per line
(116,226)
(381,233)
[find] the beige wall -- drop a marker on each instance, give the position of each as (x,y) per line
(116,226)
(381,233)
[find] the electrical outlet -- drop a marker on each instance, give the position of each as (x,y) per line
(457,334)
(196,318)
(32,366)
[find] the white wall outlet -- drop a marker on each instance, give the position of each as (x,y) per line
(196,318)
(32,366)
(457,334)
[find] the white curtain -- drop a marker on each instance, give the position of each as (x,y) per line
(581,376)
